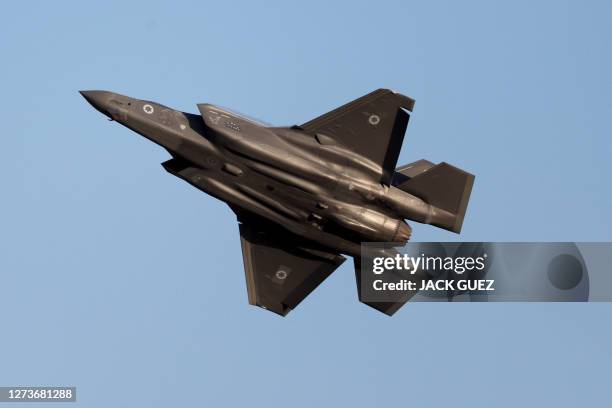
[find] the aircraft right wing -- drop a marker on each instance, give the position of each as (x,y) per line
(281,270)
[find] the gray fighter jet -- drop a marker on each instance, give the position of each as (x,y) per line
(304,195)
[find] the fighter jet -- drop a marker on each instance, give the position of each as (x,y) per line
(304,196)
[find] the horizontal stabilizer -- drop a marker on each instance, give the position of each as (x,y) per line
(388,308)
(443,186)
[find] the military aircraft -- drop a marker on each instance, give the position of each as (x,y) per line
(304,195)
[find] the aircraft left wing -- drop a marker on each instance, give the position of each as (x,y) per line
(372,126)
(280,269)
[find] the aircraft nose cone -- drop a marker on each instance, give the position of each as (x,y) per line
(98,99)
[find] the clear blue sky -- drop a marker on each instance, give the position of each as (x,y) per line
(122,280)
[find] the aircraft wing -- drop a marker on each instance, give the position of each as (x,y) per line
(373,126)
(280,269)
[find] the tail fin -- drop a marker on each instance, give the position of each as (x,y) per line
(443,186)
(411,170)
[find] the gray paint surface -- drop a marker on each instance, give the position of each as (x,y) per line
(304,195)
(517,93)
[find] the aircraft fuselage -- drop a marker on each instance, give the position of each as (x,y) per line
(312,186)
